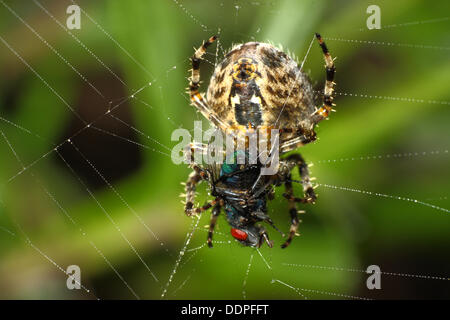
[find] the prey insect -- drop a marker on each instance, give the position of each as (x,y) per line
(256,87)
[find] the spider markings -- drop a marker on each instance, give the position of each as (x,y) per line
(259,87)
(245,97)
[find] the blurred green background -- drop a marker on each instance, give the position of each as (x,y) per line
(68,206)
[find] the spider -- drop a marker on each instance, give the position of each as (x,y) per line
(256,86)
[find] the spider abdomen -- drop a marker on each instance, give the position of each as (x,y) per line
(258,85)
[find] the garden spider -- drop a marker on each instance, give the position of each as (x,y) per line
(256,86)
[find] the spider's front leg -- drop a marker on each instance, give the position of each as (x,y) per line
(194,83)
(197,98)
(296,160)
(327,106)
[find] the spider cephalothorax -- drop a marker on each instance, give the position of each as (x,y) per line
(257,86)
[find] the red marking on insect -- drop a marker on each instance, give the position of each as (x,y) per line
(239,234)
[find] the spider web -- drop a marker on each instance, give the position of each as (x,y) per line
(382,175)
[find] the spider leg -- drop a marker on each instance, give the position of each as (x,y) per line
(214,215)
(197,98)
(191,210)
(327,105)
(306,136)
(202,149)
(310,196)
(196,176)
(296,160)
(194,84)
(303,138)
(293,213)
(190,187)
(271,194)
